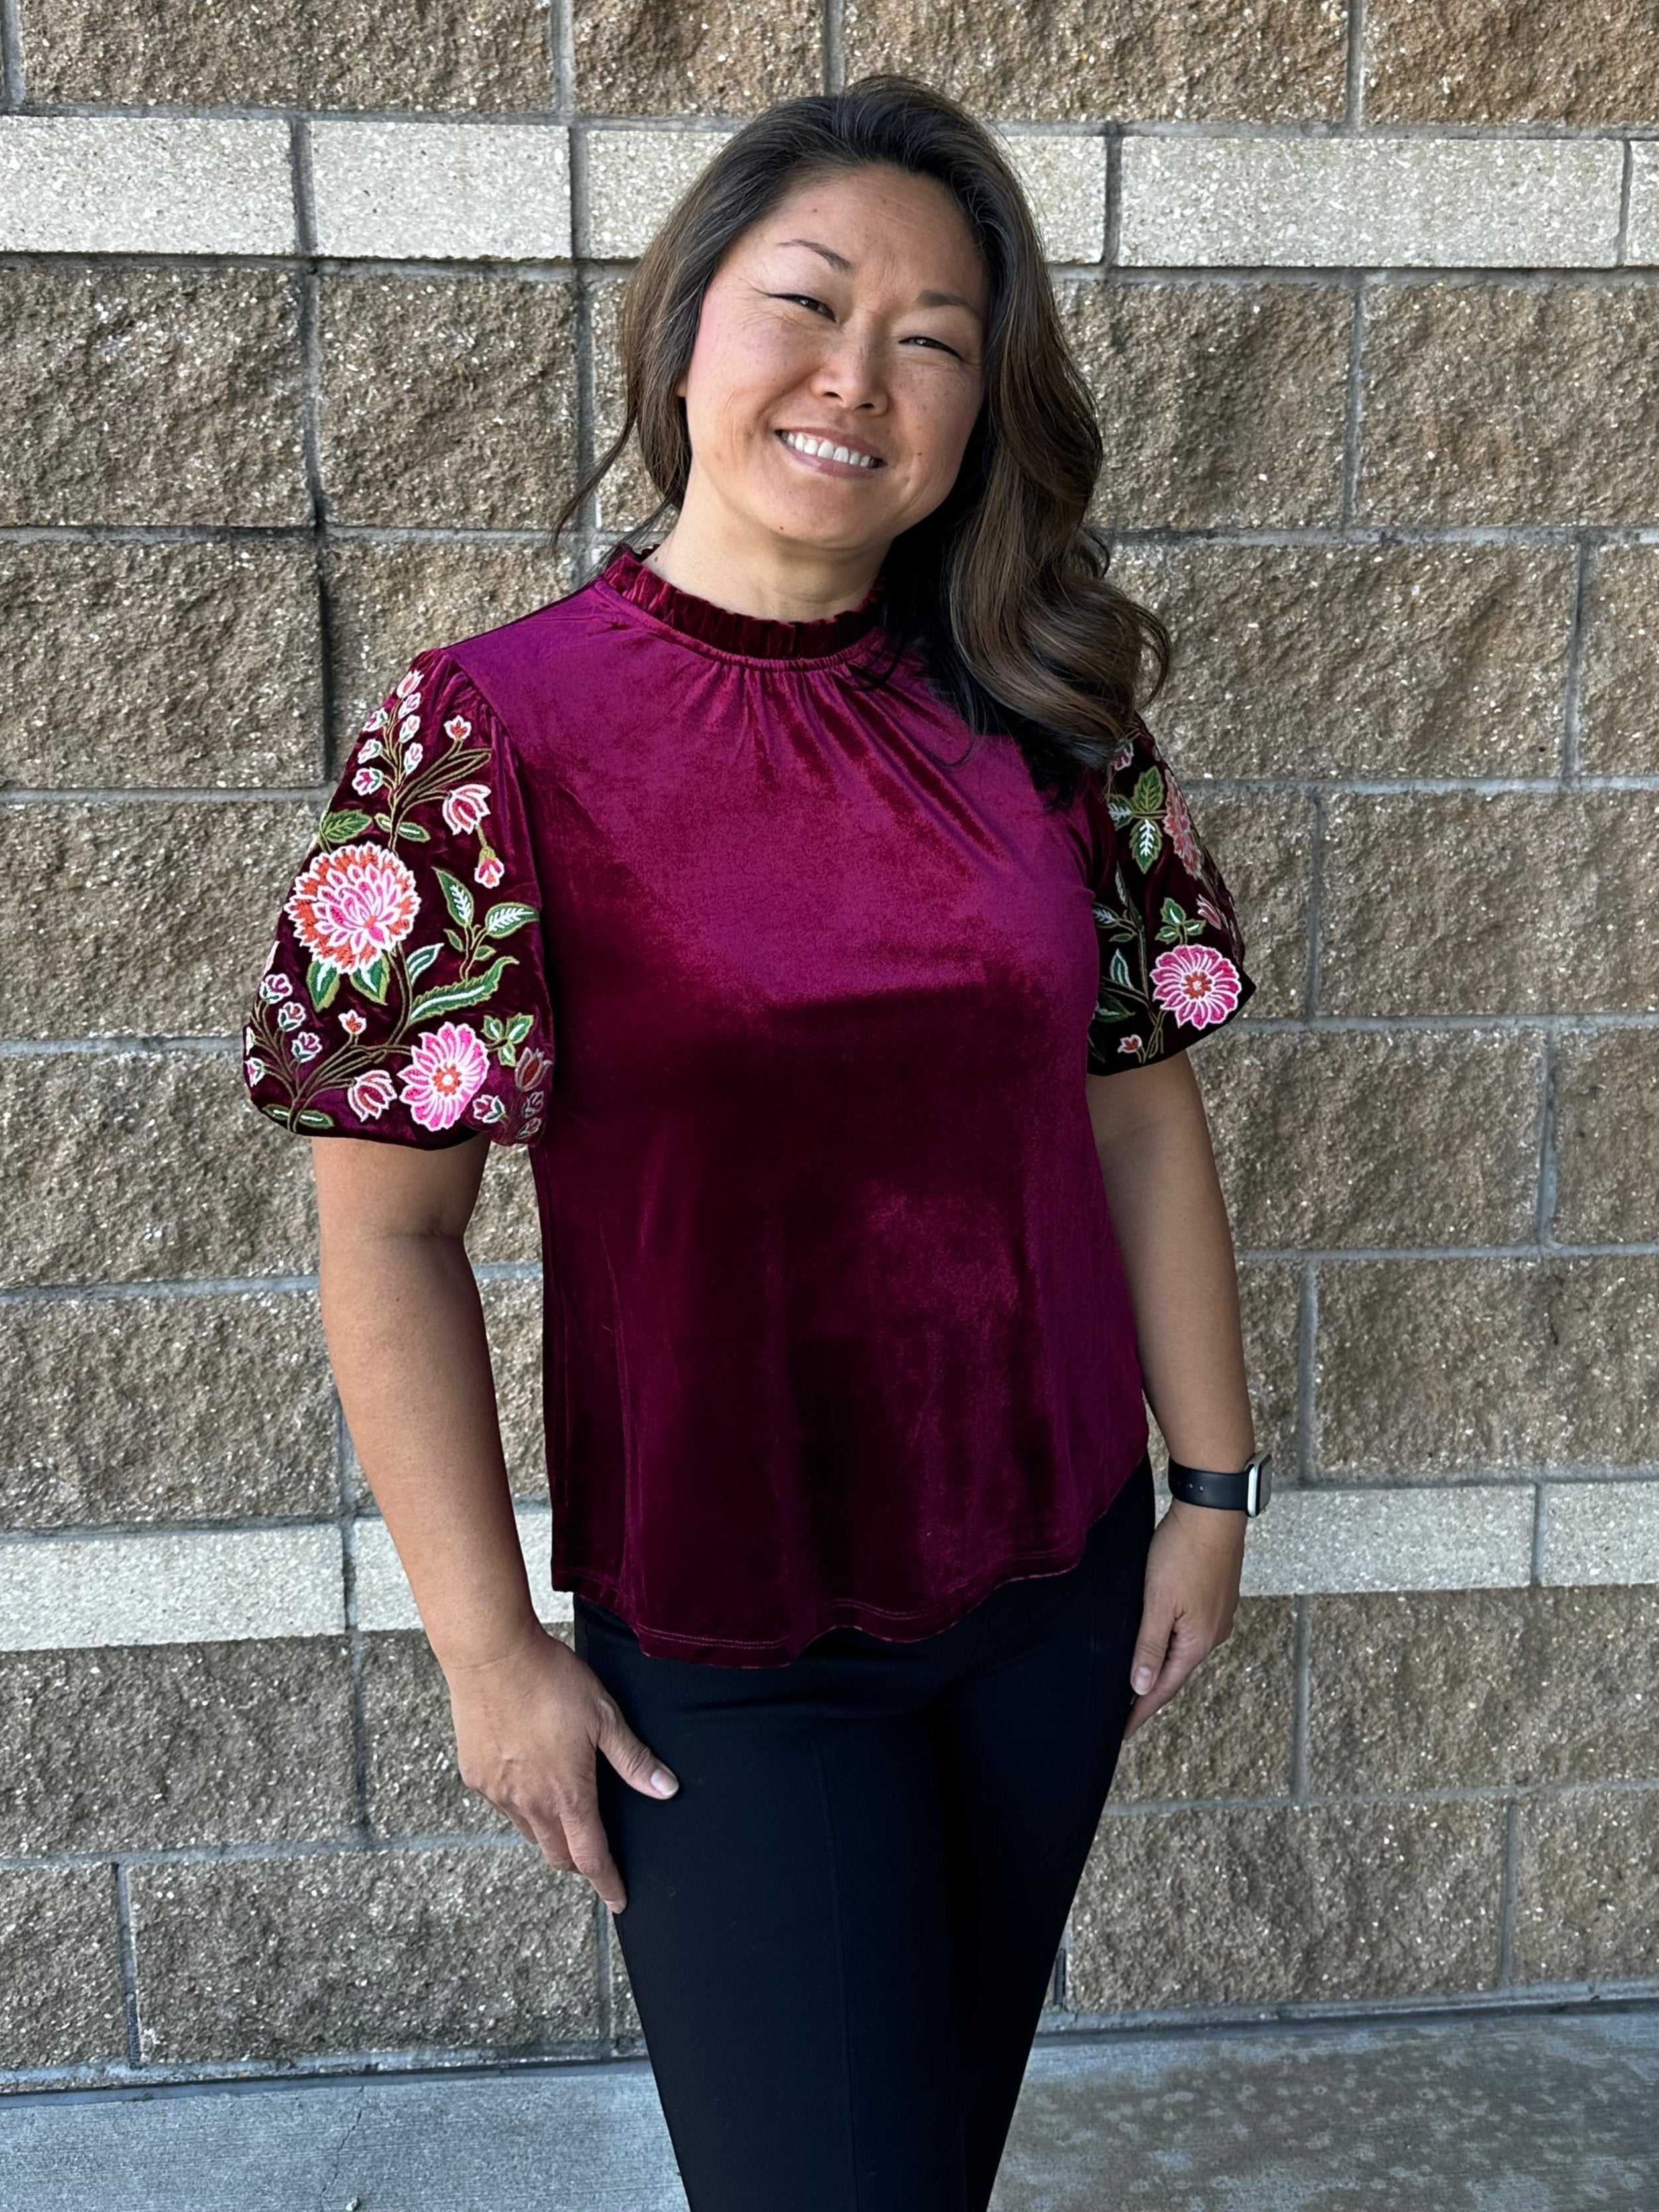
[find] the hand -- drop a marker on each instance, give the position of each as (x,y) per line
(526,1727)
(1192,1572)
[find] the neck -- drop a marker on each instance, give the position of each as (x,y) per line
(731,563)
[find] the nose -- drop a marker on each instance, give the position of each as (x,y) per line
(850,371)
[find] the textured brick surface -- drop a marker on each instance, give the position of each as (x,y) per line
(448,399)
(1618,730)
(1282,60)
(169,908)
(389,602)
(1262,842)
(1251,1905)
(128,183)
(1510,61)
(206,1743)
(1220,404)
(1457,1366)
(138,395)
(60,1976)
(1358,202)
(1372,660)
(191,664)
(491,54)
(1345,1138)
(1508,402)
(512,1315)
(1269,1293)
(641,57)
(136,1410)
(485,1948)
(1515,902)
(146,1166)
(504,1224)
(1449,1689)
(1227,1733)
(627,494)
(1587,1896)
(442,191)
(1606,1116)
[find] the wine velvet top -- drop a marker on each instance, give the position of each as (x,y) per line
(790,984)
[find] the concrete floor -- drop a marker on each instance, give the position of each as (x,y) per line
(1522,2112)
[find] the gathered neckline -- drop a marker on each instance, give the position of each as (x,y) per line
(750,637)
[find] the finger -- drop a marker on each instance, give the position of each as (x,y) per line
(551,1840)
(638,1766)
(590,1850)
(1151,1645)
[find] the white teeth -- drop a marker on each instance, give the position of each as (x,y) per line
(824,449)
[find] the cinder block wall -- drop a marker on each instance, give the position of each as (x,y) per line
(305,324)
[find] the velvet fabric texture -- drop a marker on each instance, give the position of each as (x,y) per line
(790,982)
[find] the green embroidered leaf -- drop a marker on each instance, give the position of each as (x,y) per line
(1145,841)
(312,1117)
(449,996)
(520,1028)
(512,913)
(1149,791)
(494,1028)
(456,897)
(1118,1010)
(419,960)
(1119,971)
(453,939)
(1180,928)
(508,1056)
(413,832)
(321,984)
(1120,810)
(373,979)
(335,829)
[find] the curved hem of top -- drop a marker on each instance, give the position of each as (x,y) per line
(853,1612)
(794,662)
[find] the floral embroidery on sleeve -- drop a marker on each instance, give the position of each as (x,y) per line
(393,929)
(1161,889)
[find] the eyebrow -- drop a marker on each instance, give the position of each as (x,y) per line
(840,261)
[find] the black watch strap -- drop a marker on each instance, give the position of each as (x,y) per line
(1243,1492)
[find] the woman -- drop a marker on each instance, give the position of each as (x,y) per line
(808,896)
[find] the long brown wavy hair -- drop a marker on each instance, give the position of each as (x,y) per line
(1003,589)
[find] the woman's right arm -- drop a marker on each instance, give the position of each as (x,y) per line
(406,1339)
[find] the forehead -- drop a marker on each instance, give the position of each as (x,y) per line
(882,224)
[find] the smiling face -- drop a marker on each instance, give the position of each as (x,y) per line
(838,368)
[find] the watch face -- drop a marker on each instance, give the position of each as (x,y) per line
(1263,1480)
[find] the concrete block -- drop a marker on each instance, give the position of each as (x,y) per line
(134,184)
(448,191)
(183,1587)
(723,57)
(634,179)
(1642,240)
(1510,61)
(1468,1538)
(1602,1532)
(1065,180)
(60,1974)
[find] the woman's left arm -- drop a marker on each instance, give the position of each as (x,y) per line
(1171,1225)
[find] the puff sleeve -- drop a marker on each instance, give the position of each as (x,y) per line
(406,998)
(1171,950)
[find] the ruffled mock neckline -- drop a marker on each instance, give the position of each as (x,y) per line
(757,637)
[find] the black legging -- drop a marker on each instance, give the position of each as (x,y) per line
(839,1932)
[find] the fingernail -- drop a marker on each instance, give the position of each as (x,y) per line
(1142,1678)
(663,1781)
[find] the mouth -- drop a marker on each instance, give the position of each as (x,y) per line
(830,456)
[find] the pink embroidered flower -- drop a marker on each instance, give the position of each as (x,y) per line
(276,986)
(1135,1044)
(533,1068)
(407,683)
(1179,824)
(1209,912)
(446,1072)
(1196,984)
(255,1070)
(530,1126)
(291,1016)
(413,754)
(353,1022)
(367,779)
(490,871)
(307,1045)
(377,720)
(370,749)
(489,1109)
(467,807)
(458,729)
(371,1094)
(353,905)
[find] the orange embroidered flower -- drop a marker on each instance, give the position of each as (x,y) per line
(353,906)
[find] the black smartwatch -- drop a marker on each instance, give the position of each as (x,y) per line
(1247,1492)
